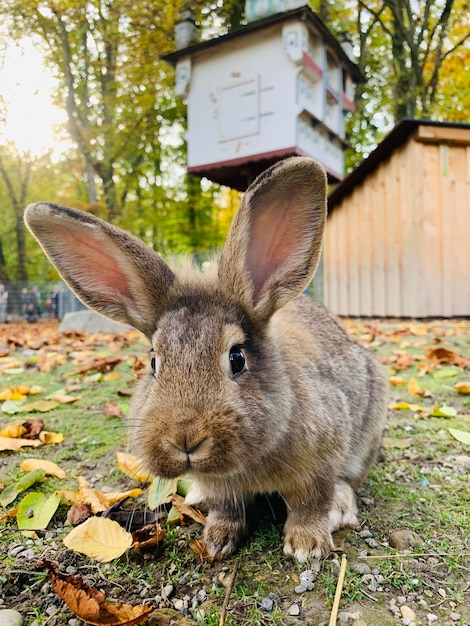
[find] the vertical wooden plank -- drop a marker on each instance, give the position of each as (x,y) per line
(459,234)
(354,254)
(407,201)
(378,241)
(446,200)
(430,229)
(342,261)
(393,237)
(364,233)
(331,262)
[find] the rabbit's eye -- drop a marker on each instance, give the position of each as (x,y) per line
(237,360)
(153,364)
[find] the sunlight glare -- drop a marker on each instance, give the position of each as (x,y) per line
(29,116)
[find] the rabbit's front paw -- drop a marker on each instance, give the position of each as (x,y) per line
(310,539)
(223,535)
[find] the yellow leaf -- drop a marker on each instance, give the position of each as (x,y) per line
(8,443)
(111,376)
(90,496)
(99,538)
(38,405)
(28,465)
(413,388)
(13,430)
(64,398)
(406,405)
(132,466)
(463,387)
(48,437)
(397,381)
(117,496)
(74,497)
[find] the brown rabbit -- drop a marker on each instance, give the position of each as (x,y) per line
(252,388)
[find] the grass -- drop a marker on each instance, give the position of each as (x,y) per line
(420,484)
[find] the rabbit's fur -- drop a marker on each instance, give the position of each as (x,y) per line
(304,418)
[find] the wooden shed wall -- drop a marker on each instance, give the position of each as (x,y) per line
(399,243)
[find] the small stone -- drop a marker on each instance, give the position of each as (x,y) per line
(267,605)
(300,589)
(274,597)
(432,617)
(372,543)
(365,534)
(454,616)
(407,613)
(178,604)
(402,539)
(442,592)
(74,622)
(10,617)
(361,568)
(167,590)
(401,599)
(294,610)
(202,595)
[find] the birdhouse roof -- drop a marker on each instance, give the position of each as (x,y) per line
(304,14)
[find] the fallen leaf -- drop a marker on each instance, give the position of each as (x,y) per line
(28,465)
(78,513)
(187,510)
(461,435)
(90,495)
(415,390)
(48,437)
(118,496)
(35,511)
(444,355)
(89,604)
(397,381)
(160,491)
(132,466)
(406,405)
(10,494)
(99,538)
(199,547)
(148,536)
(443,411)
(14,431)
(64,398)
(112,409)
(42,406)
(12,445)
(463,387)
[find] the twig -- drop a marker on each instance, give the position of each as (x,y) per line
(411,554)
(339,588)
(228,593)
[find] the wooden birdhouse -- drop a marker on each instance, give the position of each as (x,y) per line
(278,86)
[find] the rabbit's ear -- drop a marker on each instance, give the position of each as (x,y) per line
(110,270)
(274,243)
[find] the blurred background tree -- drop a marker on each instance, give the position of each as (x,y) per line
(127,126)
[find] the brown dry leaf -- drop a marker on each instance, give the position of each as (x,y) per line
(463,387)
(187,510)
(112,376)
(406,405)
(148,536)
(29,465)
(12,445)
(9,514)
(132,467)
(438,356)
(89,604)
(49,437)
(199,547)
(99,538)
(99,364)
(112,409)
(77,513)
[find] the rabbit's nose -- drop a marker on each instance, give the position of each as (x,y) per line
(187,445)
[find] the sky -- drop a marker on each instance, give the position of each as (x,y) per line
(26,88)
